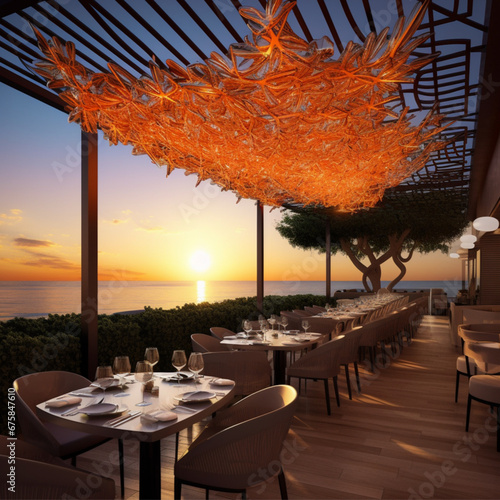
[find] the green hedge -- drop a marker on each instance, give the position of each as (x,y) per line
(53,343)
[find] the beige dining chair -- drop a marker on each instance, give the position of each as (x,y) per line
(39,475)
(250,370)
(350,354)
(219,332)
(484,388)
(321,363)
(206,343)
(240,442)
(59,441)
(465,366)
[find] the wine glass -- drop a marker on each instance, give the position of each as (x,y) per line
(152,355)
(305,325)
(264,328)
(121,367)
(103,377)
(143,374)
(195,364)
(247,326)
(179,362)
(284,322)
(272,320)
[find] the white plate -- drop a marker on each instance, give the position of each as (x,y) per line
(196,396)
(100,409)
(175,378)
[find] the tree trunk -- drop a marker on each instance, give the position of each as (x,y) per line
(396,245)
(372,274)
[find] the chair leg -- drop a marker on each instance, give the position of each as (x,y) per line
(207,493)
(327,396)
(356,371)
(336,387)
(469,400)
(498,428)
(177,488)
(176,446)
(457,382)
(122,467)
(282,481)
(348,380)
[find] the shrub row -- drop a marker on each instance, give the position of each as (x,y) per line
(53,343)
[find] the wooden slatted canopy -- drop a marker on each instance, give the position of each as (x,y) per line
(462,80)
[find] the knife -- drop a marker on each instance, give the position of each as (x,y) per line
(126,419)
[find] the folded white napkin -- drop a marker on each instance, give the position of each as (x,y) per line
(158,416)
(59,403)
(222,381)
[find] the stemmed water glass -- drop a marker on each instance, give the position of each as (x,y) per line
(152,355)
(272,320)
(179,362)
(195,364)
(264,328)
(121,367)
(247,326)
(305,325)
(284,322)
(143,374)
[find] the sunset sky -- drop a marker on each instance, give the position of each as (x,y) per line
(150,227)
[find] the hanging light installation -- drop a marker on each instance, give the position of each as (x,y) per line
(485,224)
(277,119)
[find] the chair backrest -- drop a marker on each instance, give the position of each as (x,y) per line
(349,352)
(322,362)
(485,332)
(477,316)
(32,390)
(301,312)
(206,343)
(233,456)
(42,476)
(219,332)
(250,370)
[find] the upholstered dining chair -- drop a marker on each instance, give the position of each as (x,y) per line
(238,443)
(484,388)
(42,476)
(250,370)
(219,332)
(321,363)
(465,366)
(61,442)
(206,343)
(350,354)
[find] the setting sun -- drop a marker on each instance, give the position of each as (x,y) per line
(200,261)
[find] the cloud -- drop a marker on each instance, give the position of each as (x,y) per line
(12,217)
(118,221)
(120,275)
(27,242)
(126,212)
(52,263)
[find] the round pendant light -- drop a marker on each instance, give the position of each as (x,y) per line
(467,245)
(485,224)
(468,238)
(454,255)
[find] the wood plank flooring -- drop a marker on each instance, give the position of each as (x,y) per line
(402,437)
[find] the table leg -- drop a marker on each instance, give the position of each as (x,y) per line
(279,359)
(150,471)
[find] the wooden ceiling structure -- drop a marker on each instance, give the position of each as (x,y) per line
(462,80)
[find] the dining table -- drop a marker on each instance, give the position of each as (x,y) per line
(180,398)
(280,343)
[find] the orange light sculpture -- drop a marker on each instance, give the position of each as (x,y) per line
(277,119)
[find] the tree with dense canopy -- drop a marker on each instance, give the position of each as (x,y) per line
(419,222)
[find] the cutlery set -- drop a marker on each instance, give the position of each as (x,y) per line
(73,411)
(123,418)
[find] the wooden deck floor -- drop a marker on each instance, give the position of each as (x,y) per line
(402,437)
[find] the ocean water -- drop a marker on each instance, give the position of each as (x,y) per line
(34,299)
